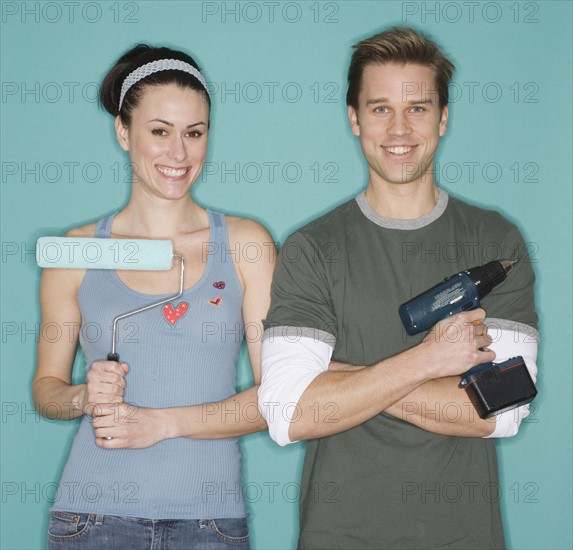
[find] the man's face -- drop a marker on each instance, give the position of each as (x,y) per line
(399,123)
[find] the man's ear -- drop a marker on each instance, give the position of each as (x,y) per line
(122,134)
(353,117)
(444,121)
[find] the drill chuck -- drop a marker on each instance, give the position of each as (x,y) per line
(488,276)
(460,292)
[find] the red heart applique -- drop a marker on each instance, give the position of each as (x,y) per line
(217,301)
(173,315)
(219,284)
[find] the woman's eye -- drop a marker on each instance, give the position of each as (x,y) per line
(158,132)
(195,134)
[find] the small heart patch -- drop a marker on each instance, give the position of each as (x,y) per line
(172,315)
(217,301)
(219,284)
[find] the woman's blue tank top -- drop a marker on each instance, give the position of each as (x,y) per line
(182,353)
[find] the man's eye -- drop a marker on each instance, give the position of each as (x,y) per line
(381,110)
(417,109)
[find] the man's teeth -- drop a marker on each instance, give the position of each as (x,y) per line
(171,172)
(398,150)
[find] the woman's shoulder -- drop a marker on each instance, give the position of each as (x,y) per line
(247,230)
(84,231)
(256,246)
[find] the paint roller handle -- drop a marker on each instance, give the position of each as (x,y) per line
(113,357)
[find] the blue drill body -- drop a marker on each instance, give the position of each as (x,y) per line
(456,294)
(460,292)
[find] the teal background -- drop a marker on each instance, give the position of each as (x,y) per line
(518,54)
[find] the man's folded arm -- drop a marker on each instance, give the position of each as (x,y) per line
(301,399)
(290,366)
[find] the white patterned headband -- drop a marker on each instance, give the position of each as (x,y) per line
(156,66)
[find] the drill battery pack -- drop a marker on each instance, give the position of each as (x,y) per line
(497,387)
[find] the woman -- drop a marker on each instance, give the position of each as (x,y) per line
(158,457)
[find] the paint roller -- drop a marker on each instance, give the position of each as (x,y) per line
(120,254)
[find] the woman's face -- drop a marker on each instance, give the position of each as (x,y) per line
(167,140)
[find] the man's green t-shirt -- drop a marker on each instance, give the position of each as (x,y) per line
(341,279)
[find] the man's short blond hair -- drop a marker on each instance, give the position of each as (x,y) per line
(399,45)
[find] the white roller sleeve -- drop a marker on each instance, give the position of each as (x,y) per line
(83,253)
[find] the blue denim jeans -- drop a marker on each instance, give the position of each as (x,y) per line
(71,531)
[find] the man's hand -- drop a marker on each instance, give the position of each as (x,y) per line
(448,340)
(457,343)
(105,383)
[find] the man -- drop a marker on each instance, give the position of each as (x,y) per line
(397,456)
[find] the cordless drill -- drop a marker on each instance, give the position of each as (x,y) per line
(492,388)
(460,292)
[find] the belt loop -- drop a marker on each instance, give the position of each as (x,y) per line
(99,519)
(202,524)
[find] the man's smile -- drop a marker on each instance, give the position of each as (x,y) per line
(399,150)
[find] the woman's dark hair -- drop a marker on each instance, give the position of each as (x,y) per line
(110,89)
